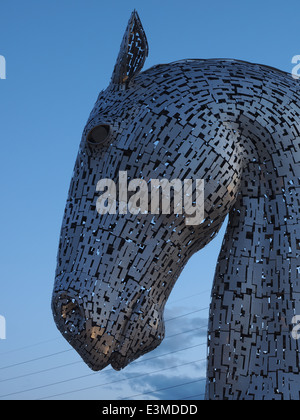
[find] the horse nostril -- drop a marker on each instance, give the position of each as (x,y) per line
(72,316)
(68,314)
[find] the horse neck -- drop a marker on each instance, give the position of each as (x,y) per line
(263,228)
(256,291)
(261,245)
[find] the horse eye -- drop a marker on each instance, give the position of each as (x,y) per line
(99,134)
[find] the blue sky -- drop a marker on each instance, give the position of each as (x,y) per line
(59,55)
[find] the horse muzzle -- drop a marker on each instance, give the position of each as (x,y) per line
(127,332)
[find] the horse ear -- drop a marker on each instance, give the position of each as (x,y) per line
(133,52)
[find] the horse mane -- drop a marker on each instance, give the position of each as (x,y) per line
(220,61)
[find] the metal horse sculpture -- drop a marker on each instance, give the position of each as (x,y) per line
(236,125)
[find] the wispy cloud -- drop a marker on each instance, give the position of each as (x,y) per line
(164,387)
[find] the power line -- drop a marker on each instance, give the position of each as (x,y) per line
(185,332)
(37,358)
(171,352)
(189,313)
(40,371)
(58,338)
(68,350)
(81,361)
(121,380)
(92,374)
(188,297)
(192,396)
(30,345)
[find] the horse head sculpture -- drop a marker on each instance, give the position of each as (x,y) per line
(234,125)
